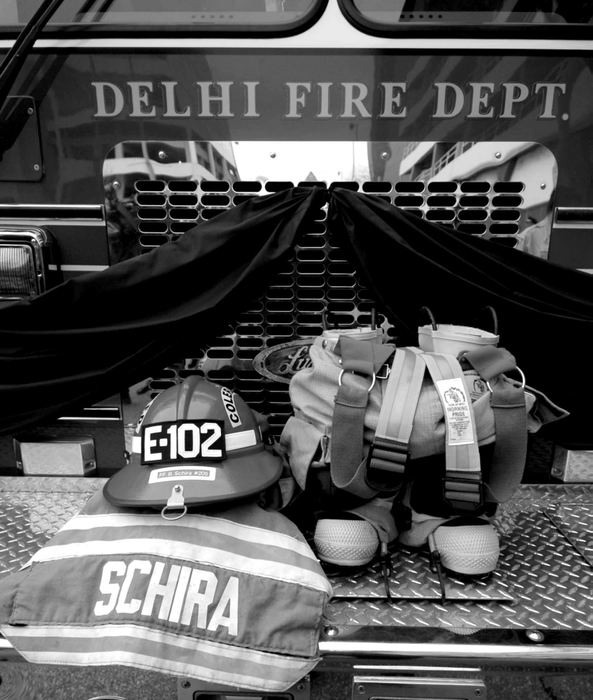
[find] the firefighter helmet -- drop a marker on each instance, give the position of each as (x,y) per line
(196,443)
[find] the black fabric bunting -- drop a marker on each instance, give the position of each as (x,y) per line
(545,311)
(87,338)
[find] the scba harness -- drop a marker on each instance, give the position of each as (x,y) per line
(384,435)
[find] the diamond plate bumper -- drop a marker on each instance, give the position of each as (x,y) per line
(541,594)
(545,572)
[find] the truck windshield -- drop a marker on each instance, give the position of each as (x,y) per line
(473,12)
(211,13)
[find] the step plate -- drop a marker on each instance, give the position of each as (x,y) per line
(33,509)
(575,522)
(413,579)
(552,545)
(546,567)
(544,578)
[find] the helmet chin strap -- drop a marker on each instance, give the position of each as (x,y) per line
(175,503)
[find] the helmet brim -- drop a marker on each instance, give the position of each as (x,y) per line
(238,478)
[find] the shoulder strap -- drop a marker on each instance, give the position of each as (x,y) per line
(463,474)
(510,419)
(360,360)
(389,451)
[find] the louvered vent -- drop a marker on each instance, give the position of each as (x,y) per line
(317,279)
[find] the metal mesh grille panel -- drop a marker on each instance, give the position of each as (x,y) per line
(166,209)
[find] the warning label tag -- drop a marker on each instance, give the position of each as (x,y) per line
(458,414)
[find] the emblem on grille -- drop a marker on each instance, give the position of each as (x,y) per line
(281,362)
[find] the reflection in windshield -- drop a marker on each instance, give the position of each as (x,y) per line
(200,12)
(477,11)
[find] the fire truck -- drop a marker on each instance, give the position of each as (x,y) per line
(126,124)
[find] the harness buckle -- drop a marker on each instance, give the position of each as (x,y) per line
(388,454)
(463,494)
(384,371)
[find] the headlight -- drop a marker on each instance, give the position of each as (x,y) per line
(23,268)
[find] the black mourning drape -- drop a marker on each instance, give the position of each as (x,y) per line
(545,311)
(89,337)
